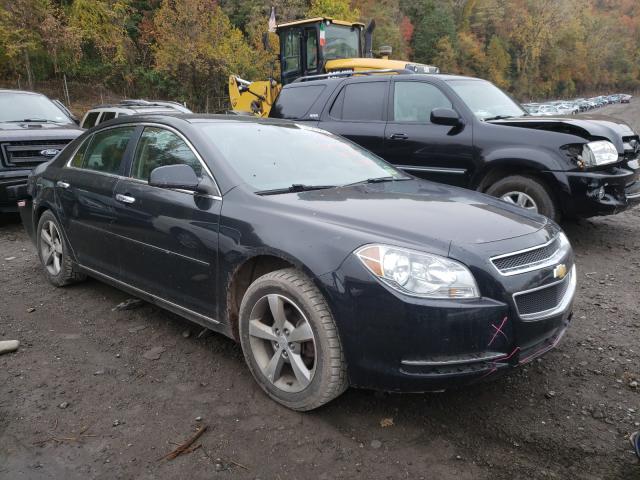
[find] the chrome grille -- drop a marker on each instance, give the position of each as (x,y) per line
(26,153)
(547,300)
(521,261)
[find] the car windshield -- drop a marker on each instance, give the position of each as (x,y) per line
(485,100)
(15,107)
(272,157)
(341,42)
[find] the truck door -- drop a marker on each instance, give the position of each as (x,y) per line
(290,55)
(436,152)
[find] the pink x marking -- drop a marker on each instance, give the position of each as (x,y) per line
(498,330)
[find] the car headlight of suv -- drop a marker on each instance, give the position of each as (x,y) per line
(600,152)
(418,274)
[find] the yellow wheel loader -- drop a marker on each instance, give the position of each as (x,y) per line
(316,47)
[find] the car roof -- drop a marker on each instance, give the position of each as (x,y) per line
(382,77)
(22,92)
(196,118)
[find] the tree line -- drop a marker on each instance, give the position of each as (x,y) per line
(185,49)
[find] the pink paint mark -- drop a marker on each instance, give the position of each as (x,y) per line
(495,366)
(498,330)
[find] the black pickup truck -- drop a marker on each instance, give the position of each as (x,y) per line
(33,130)
(466,131)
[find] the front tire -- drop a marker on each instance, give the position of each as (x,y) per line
(53,252)
(526,192)
(290,341)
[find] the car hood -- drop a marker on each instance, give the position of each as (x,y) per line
(589,127)
(413,212)
(11,130)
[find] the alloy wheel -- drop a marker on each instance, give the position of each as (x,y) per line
(282,343)
(521,199)
(51,248)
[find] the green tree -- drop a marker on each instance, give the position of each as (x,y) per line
(432,20)
(498,62)
(338,9)
(197,46)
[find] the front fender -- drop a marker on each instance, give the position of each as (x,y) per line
(518,159)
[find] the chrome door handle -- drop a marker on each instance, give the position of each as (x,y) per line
(62,184)
(399,136)
(124,198)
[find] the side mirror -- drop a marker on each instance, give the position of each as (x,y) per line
(445,116)
(174,176)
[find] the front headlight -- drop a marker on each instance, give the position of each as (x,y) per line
(600,152)
(418,274)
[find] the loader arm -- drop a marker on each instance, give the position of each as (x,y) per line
(255,98)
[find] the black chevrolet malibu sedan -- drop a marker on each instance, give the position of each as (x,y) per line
(329,266)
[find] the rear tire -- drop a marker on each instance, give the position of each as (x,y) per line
(290,341)
(527,192)
(53,252)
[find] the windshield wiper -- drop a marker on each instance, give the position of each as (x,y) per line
(32,120)
(377,180)
(296,187)
(497,117)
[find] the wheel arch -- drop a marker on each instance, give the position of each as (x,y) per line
(246,272)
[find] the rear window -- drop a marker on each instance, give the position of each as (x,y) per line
(90,121)
(296,102)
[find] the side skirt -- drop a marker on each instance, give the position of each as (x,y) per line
(190,315)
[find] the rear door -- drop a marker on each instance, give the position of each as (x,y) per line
(358,112)
(85,190)
(436,152)
(169,237)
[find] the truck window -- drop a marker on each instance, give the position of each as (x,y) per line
(413,101)
(90,121)
(360,101)
(312,49)
(107,116)
(291,52)
(294,103)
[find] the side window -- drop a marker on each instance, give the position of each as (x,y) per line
(291,52)
(312,50)
(159,147)
(106,150)
(413,101)
(360,101)
(295,102)
(78,158)
(107,116)
(90,121)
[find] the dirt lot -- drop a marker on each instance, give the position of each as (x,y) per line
(83,398)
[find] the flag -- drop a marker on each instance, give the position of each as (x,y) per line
(272,20)
(322,35)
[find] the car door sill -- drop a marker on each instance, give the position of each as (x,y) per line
(196,317)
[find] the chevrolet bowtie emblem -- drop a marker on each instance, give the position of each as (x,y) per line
(560,271)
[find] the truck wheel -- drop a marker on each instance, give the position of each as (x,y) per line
(290,341)
(54,252)
(526,192)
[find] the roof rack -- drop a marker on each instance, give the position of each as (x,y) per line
(399,71)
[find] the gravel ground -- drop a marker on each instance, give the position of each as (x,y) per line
(96,393)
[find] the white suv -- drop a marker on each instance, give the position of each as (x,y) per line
(102,113)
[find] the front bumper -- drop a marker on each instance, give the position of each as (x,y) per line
(397,343)
(602,192)
(9,180)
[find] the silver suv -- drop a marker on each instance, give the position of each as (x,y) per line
(102,113)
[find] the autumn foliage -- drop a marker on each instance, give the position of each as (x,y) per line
(185,49)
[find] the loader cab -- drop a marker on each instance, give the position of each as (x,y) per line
(306,45)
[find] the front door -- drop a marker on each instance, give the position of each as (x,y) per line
(169,237)
(85,191)
(436,152)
